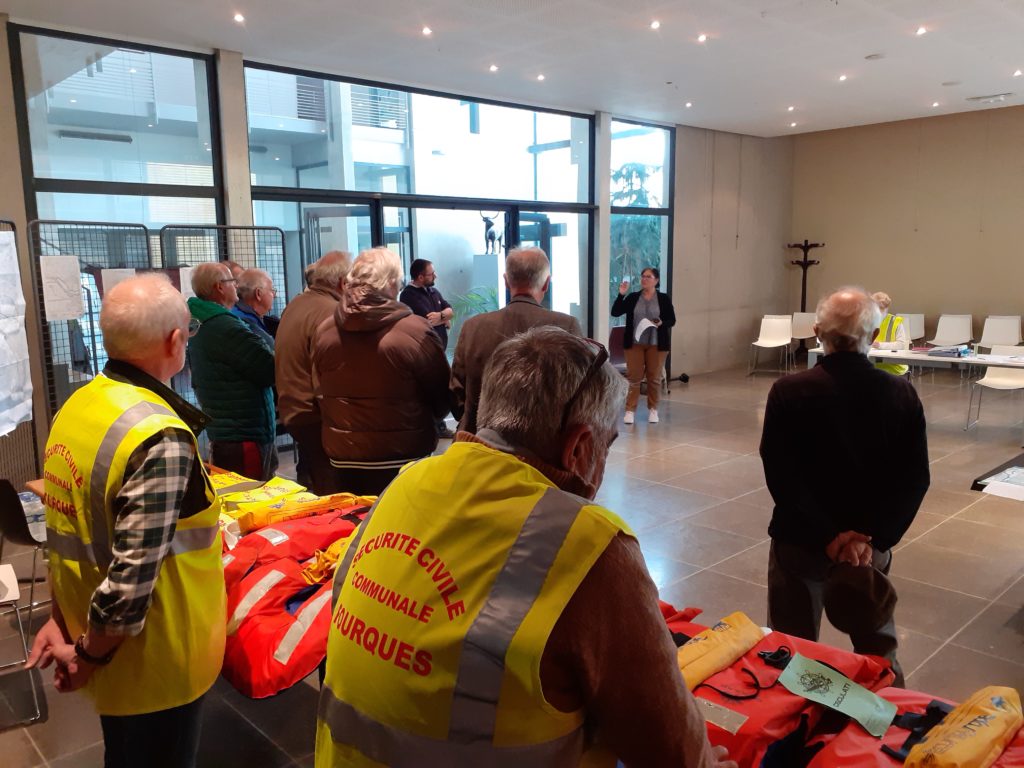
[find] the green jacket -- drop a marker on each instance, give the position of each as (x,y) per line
(232,375)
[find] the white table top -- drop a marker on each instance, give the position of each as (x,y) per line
(910,357)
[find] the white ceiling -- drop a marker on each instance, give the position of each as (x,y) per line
(761,56)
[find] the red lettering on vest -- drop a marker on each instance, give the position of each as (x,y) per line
(421,664)
(63,452)
(380,644)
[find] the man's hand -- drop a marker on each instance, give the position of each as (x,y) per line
(657,323)
(840,550)
(48,646)
(72,675)
(434,318)
(623,287)
(721,755)
(875,344)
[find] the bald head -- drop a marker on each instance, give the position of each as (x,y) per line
(144,321)
(847,321)
(332,269)
(212,281)
(527,271)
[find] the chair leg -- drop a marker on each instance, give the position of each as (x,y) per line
(970,404)
(32,588)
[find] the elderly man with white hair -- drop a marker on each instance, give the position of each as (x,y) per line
(382,378)
(531,633)
(135,568)
(826,430)
(892,334)
(256,295)
(232,375)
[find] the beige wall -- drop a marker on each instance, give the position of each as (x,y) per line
(931,211)
(733,217)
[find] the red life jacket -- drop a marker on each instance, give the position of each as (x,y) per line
(292,539)
(853,747)
(277,629)
(776,718)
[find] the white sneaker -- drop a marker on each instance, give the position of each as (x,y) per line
(652,417)
(628,418)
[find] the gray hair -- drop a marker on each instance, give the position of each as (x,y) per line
(883,300)
(531,377)
(377,269)
(206,276)
(527,268)
(847,319)
(138,314)
(331,269)
(251,279)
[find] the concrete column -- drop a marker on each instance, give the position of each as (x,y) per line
(234,139)
(602,225)
(12,206)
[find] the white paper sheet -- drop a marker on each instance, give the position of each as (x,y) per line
(1005,490)
(112,277)
(185,280)
(15,377)
(642,326)
(62,287)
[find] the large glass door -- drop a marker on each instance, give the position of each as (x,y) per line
(565,237)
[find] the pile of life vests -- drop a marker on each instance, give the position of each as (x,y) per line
(764,725)
(281,546)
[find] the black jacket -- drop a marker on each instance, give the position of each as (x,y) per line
(624,305)
(844,448)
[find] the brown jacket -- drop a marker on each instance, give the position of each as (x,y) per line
(293,361)
(477,340)
(382,380)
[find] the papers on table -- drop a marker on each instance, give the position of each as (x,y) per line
(15,378)
(62,287)
(1009,484)
(642,326)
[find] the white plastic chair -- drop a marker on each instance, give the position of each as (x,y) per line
(1006,379)
(953,330)
(803,325)
(776,332)
(1000,331)
(914,323)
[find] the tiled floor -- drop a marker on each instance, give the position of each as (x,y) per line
(693,490)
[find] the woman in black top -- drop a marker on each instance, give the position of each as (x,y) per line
(645,355)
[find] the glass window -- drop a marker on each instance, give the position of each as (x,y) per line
(112,113)
(311,133)
(640,165)
(637,242)
(565,237)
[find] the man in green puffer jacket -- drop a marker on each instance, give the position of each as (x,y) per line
(232,375)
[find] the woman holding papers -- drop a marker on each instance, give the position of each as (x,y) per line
(649,316)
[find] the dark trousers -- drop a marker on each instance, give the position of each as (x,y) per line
(796,583)
(165,739)
(314,468)
(248,458)
(363,482)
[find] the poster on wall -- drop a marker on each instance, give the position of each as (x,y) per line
(111,277)
(62,287)
(15,378)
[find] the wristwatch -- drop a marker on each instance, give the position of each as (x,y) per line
(96,661)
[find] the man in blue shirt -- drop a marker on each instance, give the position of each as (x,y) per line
(256,295)
(425,300)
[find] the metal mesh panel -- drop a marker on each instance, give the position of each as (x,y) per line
(18,450)
(73,349)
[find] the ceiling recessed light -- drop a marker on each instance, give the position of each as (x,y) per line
(921,31)
(935,104)
(540,77)
(428,31)
(792,125)
(842,78)
(655,24)
(701,38)
(239,18)
(790,109)
(494,67)
(1017,73)
(689,104)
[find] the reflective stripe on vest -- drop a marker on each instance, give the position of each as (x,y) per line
(70,547)
(481,670)
(298,630)
(118,431)
(400,749)
(253,596)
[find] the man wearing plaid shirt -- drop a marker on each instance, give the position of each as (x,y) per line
(138,612)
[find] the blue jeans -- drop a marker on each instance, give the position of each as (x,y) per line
(165,739)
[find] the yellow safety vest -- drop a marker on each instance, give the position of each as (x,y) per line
(887,332)
(444,601)
(178,654)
